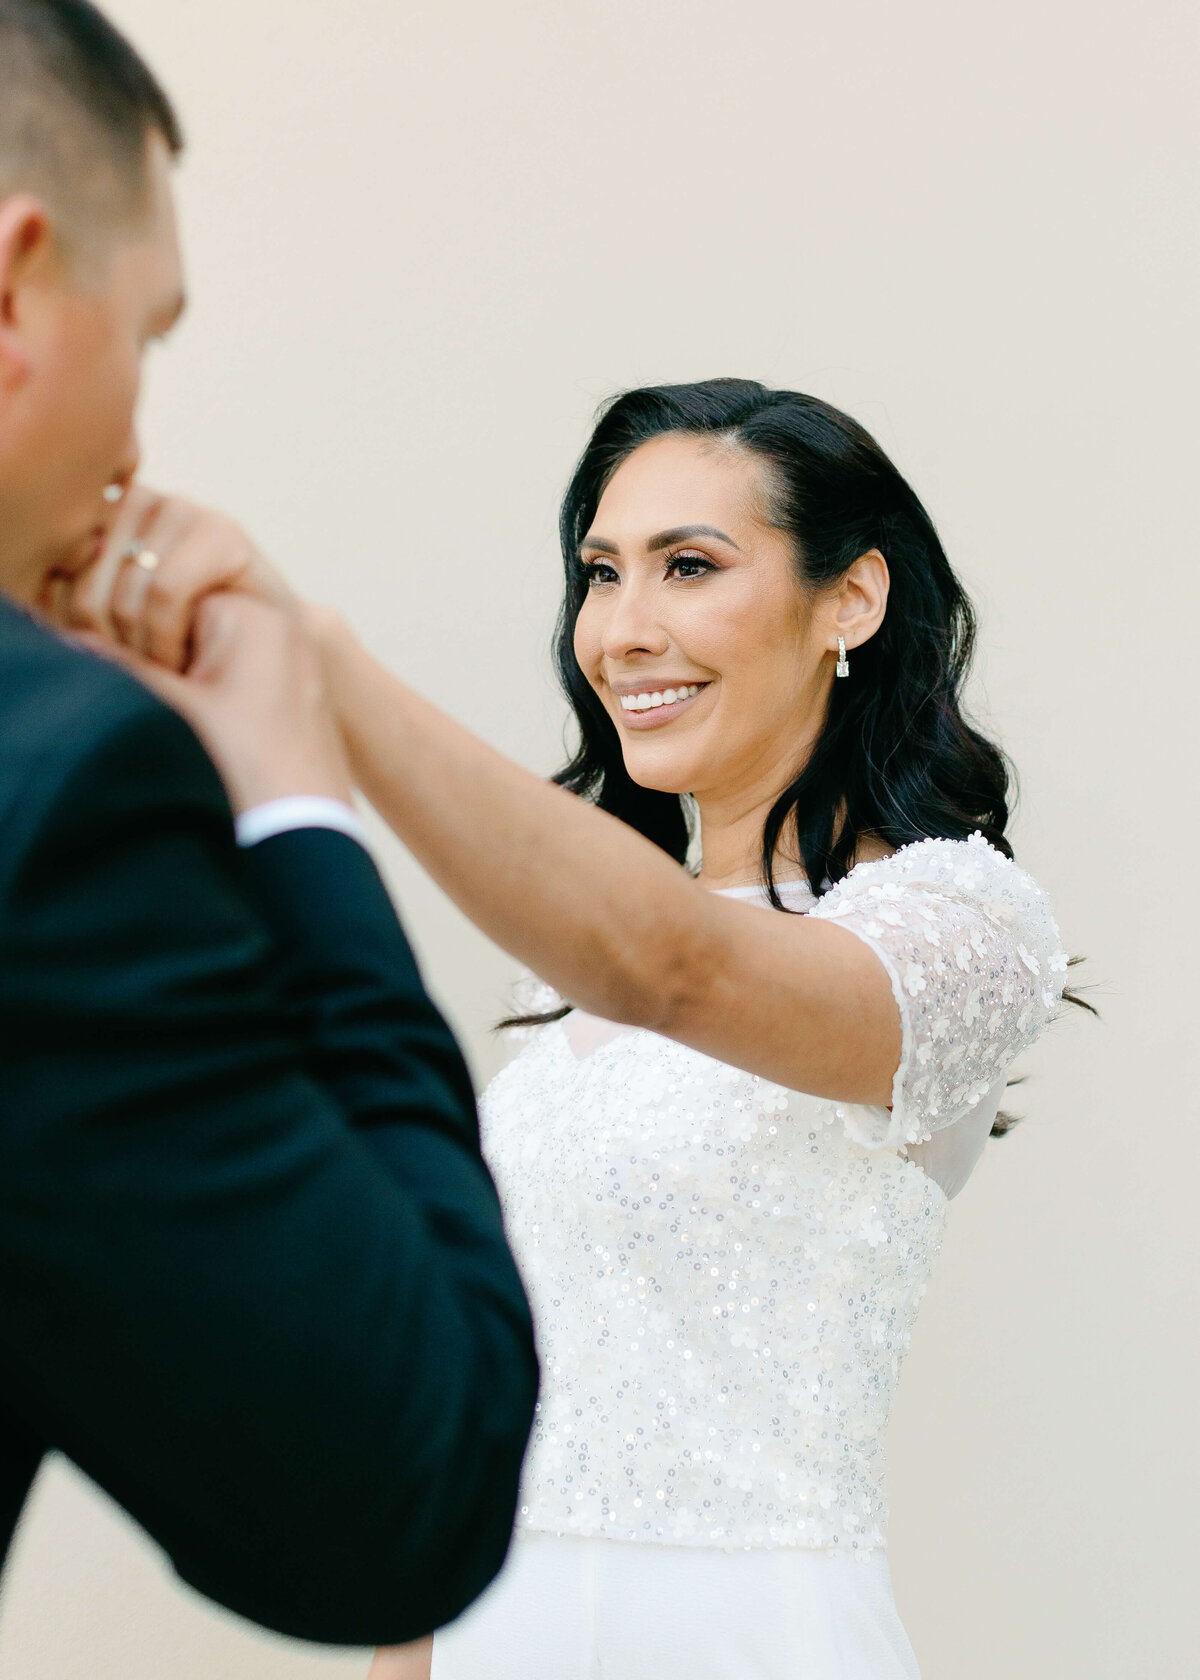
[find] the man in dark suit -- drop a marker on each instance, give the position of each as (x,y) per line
(253,1278)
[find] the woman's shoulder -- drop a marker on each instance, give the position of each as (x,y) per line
(971,873)
(965,868)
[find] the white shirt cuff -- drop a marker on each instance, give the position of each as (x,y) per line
(280,816)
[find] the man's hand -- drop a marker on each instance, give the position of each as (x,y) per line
(255,695)
(152,609)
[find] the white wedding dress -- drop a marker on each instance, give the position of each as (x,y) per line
(724,1277)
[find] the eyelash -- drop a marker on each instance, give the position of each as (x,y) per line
(592,568)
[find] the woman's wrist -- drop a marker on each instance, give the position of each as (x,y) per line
(321,623)
(332,638)
(342,659)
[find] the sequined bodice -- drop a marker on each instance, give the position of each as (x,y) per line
(724,1274)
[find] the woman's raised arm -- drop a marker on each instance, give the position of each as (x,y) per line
(580,898)
(602,914)
(849,1003)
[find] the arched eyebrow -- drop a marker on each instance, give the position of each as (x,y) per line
(664,539)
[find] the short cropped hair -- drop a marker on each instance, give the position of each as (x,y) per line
(77,106)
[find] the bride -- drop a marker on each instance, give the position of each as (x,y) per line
(784,964)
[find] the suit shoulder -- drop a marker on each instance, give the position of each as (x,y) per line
(72,721)
(55,692)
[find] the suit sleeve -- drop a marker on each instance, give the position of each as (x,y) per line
(372,1036)
(253,1278)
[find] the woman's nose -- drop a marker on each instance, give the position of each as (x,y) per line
(633,626)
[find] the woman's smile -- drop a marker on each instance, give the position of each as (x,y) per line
(654,704)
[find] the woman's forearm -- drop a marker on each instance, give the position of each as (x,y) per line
(592,907)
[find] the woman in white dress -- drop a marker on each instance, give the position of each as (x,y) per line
(727,1149)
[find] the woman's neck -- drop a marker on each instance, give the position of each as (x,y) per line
(731,832)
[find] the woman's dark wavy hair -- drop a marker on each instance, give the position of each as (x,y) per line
(897,760)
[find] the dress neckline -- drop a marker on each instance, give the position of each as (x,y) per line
(785,889)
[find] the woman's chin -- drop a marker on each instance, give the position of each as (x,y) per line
(658,775)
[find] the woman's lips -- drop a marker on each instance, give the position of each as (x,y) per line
(657,716)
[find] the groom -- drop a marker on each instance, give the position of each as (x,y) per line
(253,1278)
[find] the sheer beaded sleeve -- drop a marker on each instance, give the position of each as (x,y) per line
(976,968)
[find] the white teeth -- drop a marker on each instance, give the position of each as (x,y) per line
(668,697)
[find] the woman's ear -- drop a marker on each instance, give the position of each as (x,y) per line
(860,599)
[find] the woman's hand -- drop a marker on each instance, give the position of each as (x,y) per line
(215,630)
(193,552)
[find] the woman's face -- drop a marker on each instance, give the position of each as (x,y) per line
(711,659)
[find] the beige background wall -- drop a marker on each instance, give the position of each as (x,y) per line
(426,237)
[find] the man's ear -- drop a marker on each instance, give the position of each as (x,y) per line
(861,599)
(26,237)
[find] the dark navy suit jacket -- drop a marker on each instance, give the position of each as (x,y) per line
(253,1277)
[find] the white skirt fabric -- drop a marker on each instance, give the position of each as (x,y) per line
(569,1608)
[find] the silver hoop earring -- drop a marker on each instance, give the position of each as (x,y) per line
(843,664)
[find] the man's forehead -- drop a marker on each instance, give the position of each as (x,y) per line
(155,251)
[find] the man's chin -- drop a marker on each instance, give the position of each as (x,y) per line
(23,589)
(55,577)
(33,580)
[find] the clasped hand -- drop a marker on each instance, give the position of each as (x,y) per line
(213,629)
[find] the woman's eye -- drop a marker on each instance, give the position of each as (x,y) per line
(595,571)
(689,565)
